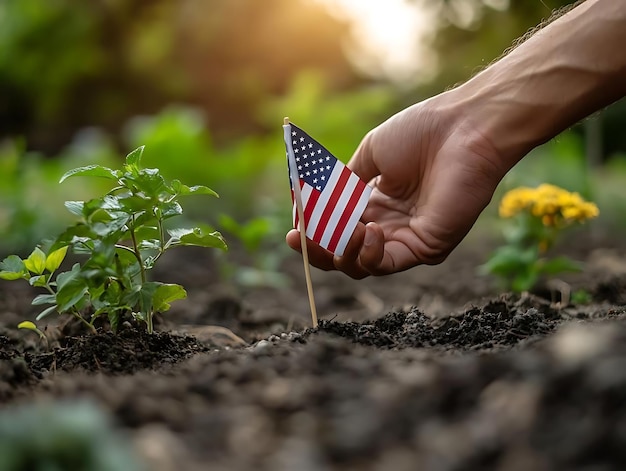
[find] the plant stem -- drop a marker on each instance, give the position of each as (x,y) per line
(73,311)
(77,315)
(142,271)
(137,253)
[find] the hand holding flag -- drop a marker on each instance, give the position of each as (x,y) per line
(333,197)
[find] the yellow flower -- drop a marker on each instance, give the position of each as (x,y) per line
(516,201)
(554,206)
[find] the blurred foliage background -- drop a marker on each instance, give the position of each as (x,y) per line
(204,84)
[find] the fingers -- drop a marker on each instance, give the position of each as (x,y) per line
(362,257)
(325,260)
(349,262)
(373,249)
(318,256)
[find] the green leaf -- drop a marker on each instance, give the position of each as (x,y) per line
(73,235)
(27,325)
(524,281)
(196,236)
(31,326)
(146,232)
(146,293)
(71,294)
(135,203)
(148,181)
(559,265)
(171,209)
(38,280)
(133,160)
(44,299)
(46,312)
(165,294)
(150,244)
(114,319)
(13,268)
(251,233)
(185,190)
(36,261)
(91,171)
(55,258)
(75,207)
(70,288)
(509,260)
(108,228)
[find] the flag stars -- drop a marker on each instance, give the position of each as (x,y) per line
(313,162)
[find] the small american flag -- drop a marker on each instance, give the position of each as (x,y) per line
(333,197)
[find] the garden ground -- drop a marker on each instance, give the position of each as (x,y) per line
(430,369)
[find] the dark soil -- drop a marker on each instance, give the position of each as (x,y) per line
(432,369)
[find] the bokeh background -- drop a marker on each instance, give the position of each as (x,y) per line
(204,85)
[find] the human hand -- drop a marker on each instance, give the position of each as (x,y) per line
(432,174)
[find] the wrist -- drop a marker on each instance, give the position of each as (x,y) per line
(564,72)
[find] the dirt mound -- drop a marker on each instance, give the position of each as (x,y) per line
(499,323)
(125,353)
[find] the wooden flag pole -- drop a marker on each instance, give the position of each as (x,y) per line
(297,196)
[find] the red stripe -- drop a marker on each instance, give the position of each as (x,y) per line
(347,212)
(308,208)
(293,201)
(332,202)
(310,205)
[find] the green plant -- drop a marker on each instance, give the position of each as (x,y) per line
(581,296)
(256,236)
(535,218)
(123,235)
(28,325)
(60,436)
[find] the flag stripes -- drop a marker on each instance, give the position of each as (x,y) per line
(333,197)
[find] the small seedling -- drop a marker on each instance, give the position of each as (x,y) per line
(123,235)
(28,325)
(536,217)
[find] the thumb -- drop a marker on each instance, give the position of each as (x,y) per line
(362,161)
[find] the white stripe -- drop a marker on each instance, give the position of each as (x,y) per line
(354,219)
(295,181)
(306,194)
(323,199)
(346,193)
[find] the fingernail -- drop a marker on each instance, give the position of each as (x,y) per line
(369,238)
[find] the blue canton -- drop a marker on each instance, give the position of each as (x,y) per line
(314,163)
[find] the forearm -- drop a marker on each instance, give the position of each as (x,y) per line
(572,67)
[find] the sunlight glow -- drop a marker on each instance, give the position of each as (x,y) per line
(389,38)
